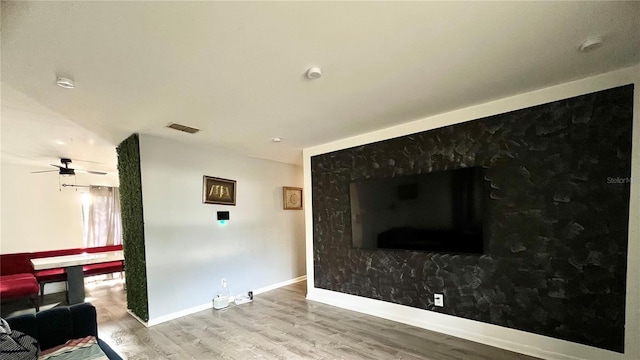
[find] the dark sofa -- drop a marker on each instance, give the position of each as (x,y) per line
(55,326)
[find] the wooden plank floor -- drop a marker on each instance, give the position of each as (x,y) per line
(279,324)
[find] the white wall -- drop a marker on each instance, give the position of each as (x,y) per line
(36,215)
(515,340)
(188,252)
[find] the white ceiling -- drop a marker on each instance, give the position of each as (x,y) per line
(236,69)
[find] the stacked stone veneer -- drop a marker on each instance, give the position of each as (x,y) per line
(556,221)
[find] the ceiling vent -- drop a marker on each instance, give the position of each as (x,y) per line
(183,128)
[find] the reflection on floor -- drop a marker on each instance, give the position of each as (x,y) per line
(279,324)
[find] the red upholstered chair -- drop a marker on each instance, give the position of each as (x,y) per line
(18,263)
(17,279)
(20,286)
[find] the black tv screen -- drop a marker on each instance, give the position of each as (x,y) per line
(433,212)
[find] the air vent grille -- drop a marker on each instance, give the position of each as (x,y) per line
(183,128)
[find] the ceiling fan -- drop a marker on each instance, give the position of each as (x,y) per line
(66,170)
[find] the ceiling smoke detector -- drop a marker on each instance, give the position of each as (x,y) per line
(65,83)
(314,73)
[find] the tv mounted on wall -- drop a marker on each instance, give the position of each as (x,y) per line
(433,212)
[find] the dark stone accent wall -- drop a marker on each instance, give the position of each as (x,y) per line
(556,223)
(133,226)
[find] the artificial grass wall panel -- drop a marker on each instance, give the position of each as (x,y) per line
(133,226)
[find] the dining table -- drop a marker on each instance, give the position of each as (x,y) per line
(72,265)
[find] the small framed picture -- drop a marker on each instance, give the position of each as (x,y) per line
(292,198)
(218,191)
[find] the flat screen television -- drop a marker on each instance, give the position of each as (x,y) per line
(433,212)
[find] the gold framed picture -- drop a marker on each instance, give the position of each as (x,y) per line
(218,191)
(292,198)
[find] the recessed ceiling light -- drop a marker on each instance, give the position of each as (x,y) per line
(65,83)
(60,142)
(590,44)
(314,73)
(276,140)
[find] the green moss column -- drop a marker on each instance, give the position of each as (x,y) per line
(133,226)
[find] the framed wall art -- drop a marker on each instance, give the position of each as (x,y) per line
(292,198)
(218,191)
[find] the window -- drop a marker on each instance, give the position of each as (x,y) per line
(101,216)
(85,198)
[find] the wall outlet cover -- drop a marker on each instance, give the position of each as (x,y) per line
(438,300)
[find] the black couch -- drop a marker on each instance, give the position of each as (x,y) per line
(55,326)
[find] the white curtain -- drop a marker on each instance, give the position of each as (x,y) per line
(104,227)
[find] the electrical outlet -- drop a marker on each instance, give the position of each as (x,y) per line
(438,300)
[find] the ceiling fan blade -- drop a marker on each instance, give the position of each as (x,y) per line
(91,172)
(43,171)
(58,166)
(87,161)
(96,172)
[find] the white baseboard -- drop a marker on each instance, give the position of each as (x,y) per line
(179,314)
(279,285)
(493,335)
(209,305)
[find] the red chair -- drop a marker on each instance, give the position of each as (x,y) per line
(17,279)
